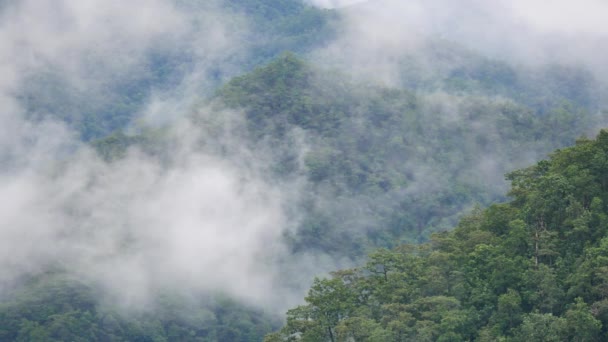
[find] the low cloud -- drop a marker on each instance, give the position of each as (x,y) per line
(383,36)
(202,215)
(191,220)
(199,216)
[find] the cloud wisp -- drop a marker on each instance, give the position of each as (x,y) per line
(380,35)
(202,216)
(190,219)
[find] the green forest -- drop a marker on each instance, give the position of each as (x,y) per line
(531,269)
(466,199)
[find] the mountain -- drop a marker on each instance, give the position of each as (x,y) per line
(57,307)
(531,269)
(186,170)
(381,166)
(104,106)
(388,164)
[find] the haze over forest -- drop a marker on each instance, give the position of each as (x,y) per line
(176,170)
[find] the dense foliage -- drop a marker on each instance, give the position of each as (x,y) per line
(98,110)
(383,166)
(386,164)
(57,307)
(390,166)
(532,269)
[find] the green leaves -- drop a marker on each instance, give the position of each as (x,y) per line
(580,325)
(533,269)
(538,327)
(54,307)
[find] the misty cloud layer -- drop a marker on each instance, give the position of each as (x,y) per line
(381,35)
(193,221)
(420,44)
(137,225)
(199,220)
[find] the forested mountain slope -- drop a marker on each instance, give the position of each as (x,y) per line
(386,164)
(111,102)
(531,269)
(57,307)
(381,166)
(180,170)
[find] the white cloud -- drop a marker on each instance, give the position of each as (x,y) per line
(588,16)
(335,3)
(192,220)
(381,35)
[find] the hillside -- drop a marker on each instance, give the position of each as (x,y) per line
(110,102)
(388,164)
(187,170)
(380,166)
(531,269)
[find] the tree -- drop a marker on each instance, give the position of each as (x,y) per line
(537,327)
(580,325)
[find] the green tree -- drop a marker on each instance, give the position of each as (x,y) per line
(580,325)
(537,327)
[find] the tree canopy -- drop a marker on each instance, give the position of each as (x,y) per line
(531,269)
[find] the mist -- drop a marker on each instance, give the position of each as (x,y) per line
(381,35)
(189,218)
(420,46)
(203,215)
